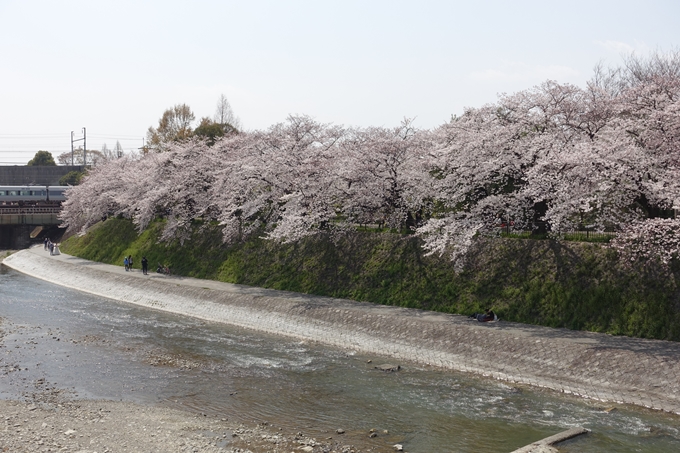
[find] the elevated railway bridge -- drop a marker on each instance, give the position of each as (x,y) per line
(29,215)
(25,221)
(20,226)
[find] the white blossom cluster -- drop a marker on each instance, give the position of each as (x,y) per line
(556,156)
(652,241)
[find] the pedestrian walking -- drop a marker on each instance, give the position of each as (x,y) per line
(45,242)
(126,263)
(130,261)
(145,265)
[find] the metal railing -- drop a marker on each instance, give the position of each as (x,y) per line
(572,235)
(29,209)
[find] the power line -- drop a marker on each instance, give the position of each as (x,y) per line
(56,136)
(30,135)
(127,137)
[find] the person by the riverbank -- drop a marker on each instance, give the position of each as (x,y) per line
(485,317)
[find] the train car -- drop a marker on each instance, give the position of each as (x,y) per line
(56,193)
(15,194)
(31,195)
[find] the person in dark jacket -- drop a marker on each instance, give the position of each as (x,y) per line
(145,265)
(485,317)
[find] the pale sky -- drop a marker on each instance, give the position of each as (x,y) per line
(113,67)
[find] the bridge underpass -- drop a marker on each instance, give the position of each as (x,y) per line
(21,226)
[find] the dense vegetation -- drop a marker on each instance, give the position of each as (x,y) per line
(553,283)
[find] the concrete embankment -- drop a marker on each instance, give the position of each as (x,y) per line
(602,367)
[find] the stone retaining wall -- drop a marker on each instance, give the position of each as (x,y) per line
(615,369)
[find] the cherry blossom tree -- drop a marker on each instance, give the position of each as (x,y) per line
(559,157)
(280,179)
(654,241)
(478,167)
(96,197)
(382,175)
(602,157)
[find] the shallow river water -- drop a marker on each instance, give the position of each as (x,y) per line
(99,348)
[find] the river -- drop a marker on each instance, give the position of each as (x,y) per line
(101,349)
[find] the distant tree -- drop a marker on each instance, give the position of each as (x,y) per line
(71,178)
(173,126)
(94,157)
(65,158)
(118,150)
(115,153)
(42,159)
(210,131)
(225,115)
(106,152)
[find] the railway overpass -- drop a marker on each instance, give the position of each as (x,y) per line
(20,226)
(29,215)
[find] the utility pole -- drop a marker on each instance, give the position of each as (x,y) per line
(143,148)
(84,147)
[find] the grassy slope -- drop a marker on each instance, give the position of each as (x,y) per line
(558,284)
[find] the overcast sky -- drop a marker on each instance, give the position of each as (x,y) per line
(114,67)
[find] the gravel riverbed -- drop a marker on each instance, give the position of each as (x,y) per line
(54,423)
(50,418)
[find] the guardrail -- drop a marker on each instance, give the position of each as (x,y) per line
(29,209)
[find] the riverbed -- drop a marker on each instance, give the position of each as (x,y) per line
(95,348)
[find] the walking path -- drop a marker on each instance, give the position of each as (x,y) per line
(603,367)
